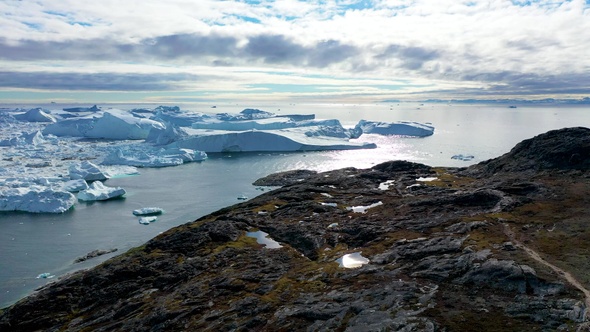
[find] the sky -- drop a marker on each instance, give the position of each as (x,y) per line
(290,51)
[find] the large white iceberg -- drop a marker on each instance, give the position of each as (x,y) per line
(112,124)
(87,171)
(99,192)
(402,128)
(293,139)
(35,199)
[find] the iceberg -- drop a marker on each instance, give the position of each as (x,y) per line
(177,117)
(147,220)
(292,139)
(35,199)
(86,171)
(112,124)
(147,156)
(75,185)
(99,192)
(148,211)
(35,115)
(402,128)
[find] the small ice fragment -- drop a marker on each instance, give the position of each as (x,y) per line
(352,261)
(242,197)
(148,211)
(45,275)
(147,220)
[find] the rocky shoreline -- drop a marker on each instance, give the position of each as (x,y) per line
(449,249)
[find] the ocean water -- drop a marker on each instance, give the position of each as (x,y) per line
(34,244)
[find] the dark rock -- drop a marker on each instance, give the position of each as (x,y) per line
(93,254)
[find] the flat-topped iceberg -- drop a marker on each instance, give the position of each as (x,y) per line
(99,192)
(146,156)
(148,211)
(293,139)
(35,199)
(402,128)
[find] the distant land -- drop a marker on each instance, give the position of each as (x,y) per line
(546,101)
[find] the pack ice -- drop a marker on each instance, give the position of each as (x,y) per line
(64,151)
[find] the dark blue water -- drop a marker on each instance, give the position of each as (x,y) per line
(34,244)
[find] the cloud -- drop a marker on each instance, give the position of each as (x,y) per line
(94,81)
(495,46)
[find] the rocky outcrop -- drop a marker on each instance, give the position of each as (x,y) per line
(439,255)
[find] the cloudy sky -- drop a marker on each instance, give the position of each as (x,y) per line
(343,51)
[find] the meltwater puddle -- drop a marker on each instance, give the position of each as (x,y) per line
(263,238)
(352,261)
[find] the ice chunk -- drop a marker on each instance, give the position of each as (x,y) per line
(147,220)
(111,124)
(35,199)
(147,156)
(35,115)
(463,157)
(166,135)
(173,115)
(86,171)
(99,192)
(148,211)
(75,185)
(45,275)
(403,128)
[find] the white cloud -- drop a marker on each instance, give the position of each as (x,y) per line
(449,43)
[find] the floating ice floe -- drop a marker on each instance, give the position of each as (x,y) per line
(87,171)
(99,192)
(148,211)
(45,275)
(352,261)
(146,156)
(35,199)
(363,209)
(147,220)
(462,157)
(402,128)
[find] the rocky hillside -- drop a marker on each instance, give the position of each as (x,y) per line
(499,246)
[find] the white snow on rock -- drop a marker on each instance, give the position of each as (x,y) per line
(402,128)
(35,199)
(99,192)
(86,171)
(148,211)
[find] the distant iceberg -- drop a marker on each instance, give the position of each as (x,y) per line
(402,128)
(35,115)
(87,171)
